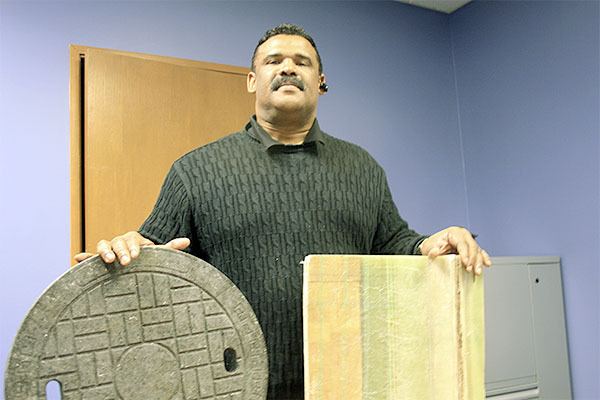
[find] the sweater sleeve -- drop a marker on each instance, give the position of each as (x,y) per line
(393,235)
(172,214)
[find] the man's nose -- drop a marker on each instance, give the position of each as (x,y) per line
(288,67)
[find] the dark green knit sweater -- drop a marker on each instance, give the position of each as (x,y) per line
(254,209)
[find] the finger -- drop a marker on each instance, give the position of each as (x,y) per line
(473,252)
(432,253)
(479,263)
(146,242)
(142,242)
(487,261)
(446,248)
(463,253)
(442,245)
(82,256)
(120,248)
(105,250)
(178,244)
(434,250)
(133,246)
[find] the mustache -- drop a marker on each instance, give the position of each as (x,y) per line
(287,80)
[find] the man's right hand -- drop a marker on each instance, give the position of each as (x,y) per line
(126,247)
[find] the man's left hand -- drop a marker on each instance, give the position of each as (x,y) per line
(455,240)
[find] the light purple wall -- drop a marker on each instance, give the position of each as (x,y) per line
(527,80)
(392,90)
(528,89)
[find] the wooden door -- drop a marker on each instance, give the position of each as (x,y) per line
(132,115)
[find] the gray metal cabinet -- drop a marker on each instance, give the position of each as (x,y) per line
(526,342)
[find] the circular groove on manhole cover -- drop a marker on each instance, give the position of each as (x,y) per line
(169,326)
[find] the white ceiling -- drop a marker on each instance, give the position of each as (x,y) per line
(445,6)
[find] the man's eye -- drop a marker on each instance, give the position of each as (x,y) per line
(272,62)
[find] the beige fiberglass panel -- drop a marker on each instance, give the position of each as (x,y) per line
(392,327)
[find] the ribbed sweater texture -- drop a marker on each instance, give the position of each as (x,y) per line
(255,213)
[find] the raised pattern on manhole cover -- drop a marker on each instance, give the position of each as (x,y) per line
(169,326)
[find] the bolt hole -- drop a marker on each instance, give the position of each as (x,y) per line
(230,359)
(53,390)
(537,280)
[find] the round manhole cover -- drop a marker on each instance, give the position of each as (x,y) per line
(169,326)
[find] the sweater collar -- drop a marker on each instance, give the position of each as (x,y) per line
(258,133)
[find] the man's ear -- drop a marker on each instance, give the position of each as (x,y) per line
(322,80)
(251,82)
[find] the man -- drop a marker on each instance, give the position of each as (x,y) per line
(255,203)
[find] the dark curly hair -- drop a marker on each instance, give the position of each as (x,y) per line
(287,29)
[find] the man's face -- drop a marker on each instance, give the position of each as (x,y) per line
(286,75)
